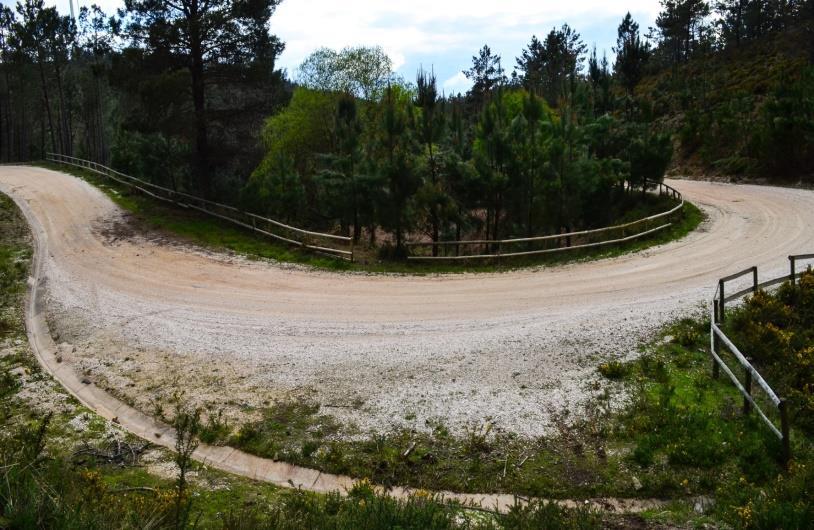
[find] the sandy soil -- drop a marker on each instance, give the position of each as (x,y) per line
(147,318)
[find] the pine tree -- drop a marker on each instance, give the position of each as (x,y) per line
(486,75)
(632,54)
(430,130)
(551,68)
(202,34)
(681,28)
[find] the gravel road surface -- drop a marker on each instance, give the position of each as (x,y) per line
(146,317)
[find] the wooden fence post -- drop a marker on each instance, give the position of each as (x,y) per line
(747,384)
(791,265)
(754,279)
(722,302)
(784,430)
(716,345)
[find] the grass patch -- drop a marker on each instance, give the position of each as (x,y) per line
(682,434)
(199,229)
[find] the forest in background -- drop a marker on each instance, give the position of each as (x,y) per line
(187,94)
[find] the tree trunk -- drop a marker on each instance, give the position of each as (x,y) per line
(47,106)
(434,215)
(64,133)
(203,169)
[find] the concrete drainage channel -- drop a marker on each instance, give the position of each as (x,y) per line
(226,458)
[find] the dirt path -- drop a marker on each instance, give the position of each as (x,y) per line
(145,318)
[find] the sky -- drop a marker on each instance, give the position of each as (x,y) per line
(441,35)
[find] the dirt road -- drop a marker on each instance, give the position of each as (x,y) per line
(145,317)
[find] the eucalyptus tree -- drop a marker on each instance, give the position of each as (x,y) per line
(201,36)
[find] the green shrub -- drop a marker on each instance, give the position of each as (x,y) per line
(613,370)
(777,331)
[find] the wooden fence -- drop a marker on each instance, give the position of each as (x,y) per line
(495,249)
(719,340)
(335,246)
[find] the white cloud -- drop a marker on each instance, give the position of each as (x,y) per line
(431,26)
(440,33)
(457,83)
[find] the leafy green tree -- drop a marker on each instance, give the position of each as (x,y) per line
(362,71)
(278,191)
(301,130)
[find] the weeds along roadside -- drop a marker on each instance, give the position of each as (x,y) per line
(681,435)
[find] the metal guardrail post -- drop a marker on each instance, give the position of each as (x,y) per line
(784,429)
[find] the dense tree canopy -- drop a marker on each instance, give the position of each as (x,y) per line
(199,36)
(186,93)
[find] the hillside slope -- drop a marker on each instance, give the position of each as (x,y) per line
(744,112)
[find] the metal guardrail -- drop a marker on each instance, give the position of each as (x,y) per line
(719,338)
(305,239)
(499,245)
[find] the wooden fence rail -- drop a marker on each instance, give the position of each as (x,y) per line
(496,248)
(719,340)
(332,245)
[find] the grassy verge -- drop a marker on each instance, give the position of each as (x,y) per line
(681,435)
(61,466)
(208,232)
